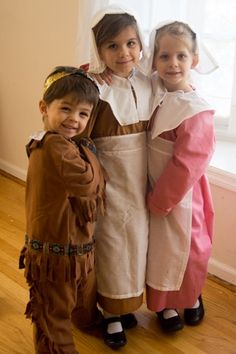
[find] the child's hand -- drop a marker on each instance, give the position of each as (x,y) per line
(105,76)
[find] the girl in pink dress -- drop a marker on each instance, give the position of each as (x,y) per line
(180,146)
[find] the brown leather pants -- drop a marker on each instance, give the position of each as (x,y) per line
(54,306)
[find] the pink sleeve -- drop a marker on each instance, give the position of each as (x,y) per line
(193,149)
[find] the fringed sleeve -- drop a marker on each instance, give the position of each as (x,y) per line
(91,202)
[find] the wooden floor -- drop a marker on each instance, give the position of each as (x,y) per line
(216,335)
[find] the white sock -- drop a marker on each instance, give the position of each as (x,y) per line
(168,313)
(196,305)
(113,327)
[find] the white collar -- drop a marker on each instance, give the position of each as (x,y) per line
(120,96)
(38,135)
(174,108)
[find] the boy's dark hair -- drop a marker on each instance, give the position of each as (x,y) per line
(111,25)
(64,80)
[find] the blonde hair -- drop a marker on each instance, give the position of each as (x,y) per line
(177,29)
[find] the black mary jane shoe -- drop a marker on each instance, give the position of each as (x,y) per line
(171,324)
(193,317)
(113,340)
(128,321)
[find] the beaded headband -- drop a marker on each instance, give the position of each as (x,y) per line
(51,79)
(59,75)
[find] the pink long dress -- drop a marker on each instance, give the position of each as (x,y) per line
(181,222)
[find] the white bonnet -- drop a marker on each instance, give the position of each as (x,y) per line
(95,63)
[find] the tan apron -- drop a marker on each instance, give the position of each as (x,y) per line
(170,236)
(122,235)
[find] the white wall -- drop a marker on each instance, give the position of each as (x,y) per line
(223,259)
(35,36)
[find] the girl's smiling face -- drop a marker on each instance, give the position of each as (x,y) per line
(121,53)
(66,115)
(174,60)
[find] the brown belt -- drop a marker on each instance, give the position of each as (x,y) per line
(58,249)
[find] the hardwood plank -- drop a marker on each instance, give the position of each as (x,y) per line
(216,335)
(15,331)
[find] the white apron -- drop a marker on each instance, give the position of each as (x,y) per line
(122,234)
(170,236)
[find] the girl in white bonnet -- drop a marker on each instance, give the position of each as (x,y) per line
(119,132)
(181,144)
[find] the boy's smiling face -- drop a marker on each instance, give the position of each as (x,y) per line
(66,116)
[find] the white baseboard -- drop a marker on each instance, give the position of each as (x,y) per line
(13,170)
(222,178)
(222,271)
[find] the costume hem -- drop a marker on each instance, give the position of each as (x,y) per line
(124,296)
(164,288)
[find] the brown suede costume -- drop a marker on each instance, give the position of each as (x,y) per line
(64,192)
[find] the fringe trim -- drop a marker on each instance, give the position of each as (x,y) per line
(40,266)
(89,209)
